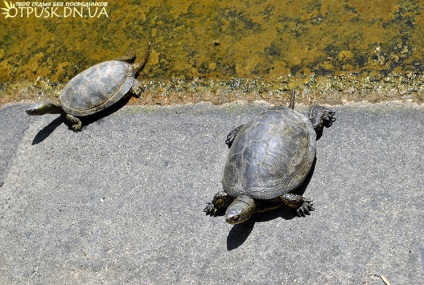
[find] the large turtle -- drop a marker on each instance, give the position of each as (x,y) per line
(269,158)
(95,89)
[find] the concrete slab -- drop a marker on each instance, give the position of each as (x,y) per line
(121,201)
(12,127)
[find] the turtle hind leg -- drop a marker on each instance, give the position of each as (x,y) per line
(219,204)
(232,135)
(45,107)
(302,205)
(136,88)
(76,123)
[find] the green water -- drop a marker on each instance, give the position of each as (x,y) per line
(222,51)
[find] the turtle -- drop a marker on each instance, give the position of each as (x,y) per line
(269,159)
(95,89)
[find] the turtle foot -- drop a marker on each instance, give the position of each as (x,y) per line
(305,208)
(219,204)
(136,88)
(76,123)
(210,210)
(76,128)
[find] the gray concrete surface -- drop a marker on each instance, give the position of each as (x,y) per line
(12,127)
(121,202)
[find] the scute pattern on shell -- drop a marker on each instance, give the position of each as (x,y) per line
(271,155)
(97,88)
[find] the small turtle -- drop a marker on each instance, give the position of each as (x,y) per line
(269,158)
(95,89)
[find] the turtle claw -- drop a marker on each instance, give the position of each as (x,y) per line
(210,210)
(76,128)
(305,208)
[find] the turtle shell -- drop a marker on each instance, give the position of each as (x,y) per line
(97,88)
(271,155)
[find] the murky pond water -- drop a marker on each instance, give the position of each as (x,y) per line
(327,50)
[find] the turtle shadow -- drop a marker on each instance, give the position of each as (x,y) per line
(99,116)
(48,130)
(239,233)
(87,120)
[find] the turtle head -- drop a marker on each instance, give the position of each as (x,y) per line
(44,107)
(240,210)
(321,117)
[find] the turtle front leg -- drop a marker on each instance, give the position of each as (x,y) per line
(219,204)
(76,123)
(320,117)
(302,205)
(136,88)
(232,135)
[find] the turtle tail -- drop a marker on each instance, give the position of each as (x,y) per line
(293,97)
(139,65)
